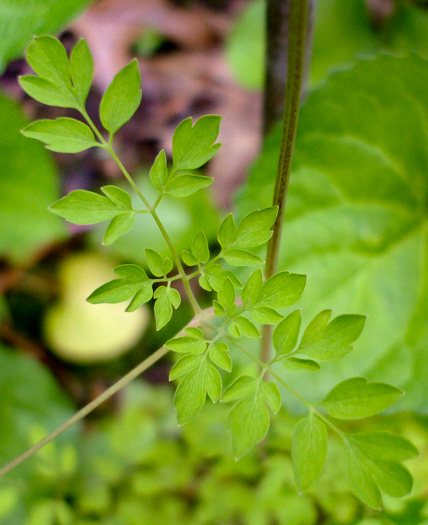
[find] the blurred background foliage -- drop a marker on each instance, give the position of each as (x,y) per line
(356,224)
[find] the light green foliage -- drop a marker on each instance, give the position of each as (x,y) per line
(357,397)
(21,21)
(349,23)
(309,450)
(205,347)
(193,146)
(363,243)
(28,184)
(331,340)
(64,135)
(82,70)
(122,98)
(133,283)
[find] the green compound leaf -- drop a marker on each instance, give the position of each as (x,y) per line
(309,450)
(133,283)
(122,98)
(295,363)
(185,185)
(85,207)
(243,386)
(82,70)
(357,398)
(194,146)
(266,315)
(189,260)
(119,226)
(370,473)
(247,328)
(286,333)
(282,289)
(187,345)
(331,340)
(167,299)
(199,379)
(63,135)
(255,228)
(45,92)
(252,291)
(226,297)
(215,277)
(159,266)
(218,354)
(238,257)
(384,446)
(227,231)
(249,423)
(48,58)
(200,249)
(159,171)
(118,196)
(271,395)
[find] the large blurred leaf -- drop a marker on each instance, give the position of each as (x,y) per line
(30,398)
(22,19)
(343,31)
(181,217)
(28,186)
(356,220)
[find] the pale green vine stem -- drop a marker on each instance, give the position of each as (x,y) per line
(108,146)
(298,28)
(107,394)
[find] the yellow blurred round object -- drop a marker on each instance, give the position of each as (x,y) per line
(84,333)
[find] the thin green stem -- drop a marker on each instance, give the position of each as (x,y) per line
(298,28)
(90,407)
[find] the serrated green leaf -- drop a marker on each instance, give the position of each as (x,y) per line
(357,398)
(271,395)
(309,450)
(247,328)
(282,289)
(163,307)
(295,363)
(186,345)
(331,340)
(200,249)
(82,70)
(226,297)
(185,185)
(131,272)
(243,386)
(214,383)
(219,356)
(384,446)
(360,480)
(252,291)
(155,262)
(255,228)
(159,171)
(84,207)
(63,135)
(118,196)
(122,98)
(119,226)
(249,423)
(239,257)
(194,146)
(48,58)
(216,276)
(174,297)
(45,92)
(266,315)
(226,232)
(286,333)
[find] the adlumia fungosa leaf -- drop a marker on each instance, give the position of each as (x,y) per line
(286,333)
(82,70)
